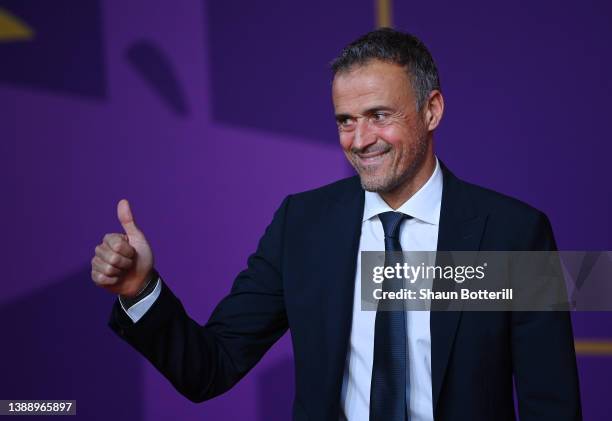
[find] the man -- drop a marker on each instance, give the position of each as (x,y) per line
(305,276)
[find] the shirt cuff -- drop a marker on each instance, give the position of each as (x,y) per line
(136,311)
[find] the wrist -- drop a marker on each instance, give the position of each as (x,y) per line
(146,289)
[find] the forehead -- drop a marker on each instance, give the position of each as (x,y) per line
(375,81)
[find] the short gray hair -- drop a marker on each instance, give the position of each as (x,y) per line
(397,47)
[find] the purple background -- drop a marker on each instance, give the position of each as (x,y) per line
(205,114)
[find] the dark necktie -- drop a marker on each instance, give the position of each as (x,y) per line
(388,387)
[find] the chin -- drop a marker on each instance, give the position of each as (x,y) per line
(376,185)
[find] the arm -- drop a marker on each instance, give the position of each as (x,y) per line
(543,355)
(205,361)
(139,305)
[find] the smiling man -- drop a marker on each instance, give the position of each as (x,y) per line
(386,134)
(305,276)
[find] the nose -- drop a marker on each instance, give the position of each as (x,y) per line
(364,135)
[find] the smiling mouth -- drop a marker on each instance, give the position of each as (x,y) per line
(371,158)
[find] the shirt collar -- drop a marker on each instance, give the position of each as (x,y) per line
(424,205)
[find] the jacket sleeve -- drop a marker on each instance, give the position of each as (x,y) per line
(543,355)
(205,361)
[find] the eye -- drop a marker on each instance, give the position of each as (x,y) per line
(379,116)
(345,123)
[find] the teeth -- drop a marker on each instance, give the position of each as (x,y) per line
(373,156)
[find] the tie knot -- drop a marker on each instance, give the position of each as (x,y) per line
(391,222)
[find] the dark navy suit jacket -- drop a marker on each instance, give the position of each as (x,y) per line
(301,277)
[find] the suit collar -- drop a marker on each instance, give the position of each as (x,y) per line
(461,223)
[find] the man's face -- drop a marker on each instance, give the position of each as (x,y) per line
(381,132)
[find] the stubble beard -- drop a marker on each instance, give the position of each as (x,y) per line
(391,180)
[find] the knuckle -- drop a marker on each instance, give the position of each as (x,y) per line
(111,239)
(107,269)
(110,270)
(95,276)
(114,259)
(116,245)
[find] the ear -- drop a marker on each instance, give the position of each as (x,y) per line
(434,108)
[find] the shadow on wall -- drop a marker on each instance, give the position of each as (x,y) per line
(269,62)
(64,52)
(275,391)
(156,69)
(57,345)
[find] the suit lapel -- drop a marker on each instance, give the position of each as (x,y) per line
(341,230)
(460,229)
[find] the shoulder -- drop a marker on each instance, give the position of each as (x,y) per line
(343,189)
(334,201)
(496,203)
(477,200)
(511,223)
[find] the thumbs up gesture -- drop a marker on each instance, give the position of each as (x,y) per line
(122,263)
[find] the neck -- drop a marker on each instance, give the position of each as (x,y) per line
(396,197)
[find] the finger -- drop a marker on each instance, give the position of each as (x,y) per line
(119,244)
(102,279)
(112,258)
(105,268)
(124,213)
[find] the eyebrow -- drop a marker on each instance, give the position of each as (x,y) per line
(369,111)
(340,117)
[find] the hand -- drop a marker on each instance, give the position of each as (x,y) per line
(123,262)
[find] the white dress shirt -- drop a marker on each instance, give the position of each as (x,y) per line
(139,309)
(417,234)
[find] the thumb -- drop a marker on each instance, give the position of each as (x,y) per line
(127,220)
